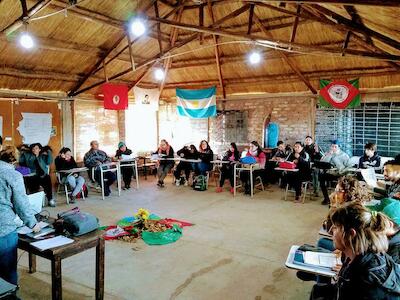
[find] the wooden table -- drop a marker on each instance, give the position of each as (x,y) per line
(55,255)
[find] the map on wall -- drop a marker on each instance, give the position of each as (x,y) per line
(35,128)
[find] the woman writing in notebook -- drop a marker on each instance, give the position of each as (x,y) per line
(165,152)
(127,172)
(367,271)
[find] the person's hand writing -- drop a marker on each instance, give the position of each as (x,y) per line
(336,268)
(297,155)
(36,228)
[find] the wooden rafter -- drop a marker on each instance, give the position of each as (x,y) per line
(393,3)
(24,8)
(284,56)
(158,27)
(201,23)
(251,13)
(25,17)
(295,24)
(169,49)
(174,36)
(217,53)
(128,38)
(274,43)
(357,27)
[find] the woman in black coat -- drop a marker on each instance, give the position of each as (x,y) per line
(227,169)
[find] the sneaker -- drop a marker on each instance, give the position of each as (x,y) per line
(232,190)
(218,190)
(297,199)
(177,183)
(315,194)
(52,203)
(72,199)
(186,183)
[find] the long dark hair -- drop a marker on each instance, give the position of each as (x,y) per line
(235,151)
(34,145)
(259,150)
(201,149)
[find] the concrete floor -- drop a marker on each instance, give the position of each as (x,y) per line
(236,250)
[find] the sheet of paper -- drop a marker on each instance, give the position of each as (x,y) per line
(35,128)
(52,242)
(369,176)
(124,156)
(26,229)
(327,260)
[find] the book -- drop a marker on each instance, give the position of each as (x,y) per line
(42,232)
(319,259)
(54,242)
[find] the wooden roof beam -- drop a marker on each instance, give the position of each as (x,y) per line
(201,23)
(251,13)
(160,55)
(217,53)
(158,27)
(357,27)
(295,24)
(16,24)
(284,56)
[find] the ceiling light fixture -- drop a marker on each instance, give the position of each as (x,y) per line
(159,74)
(137,27)
(26,40)
(254,58)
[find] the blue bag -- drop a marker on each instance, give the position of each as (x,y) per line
(248,160)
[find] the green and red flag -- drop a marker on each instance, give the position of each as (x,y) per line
(339,94)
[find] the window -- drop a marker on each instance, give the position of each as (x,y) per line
(378,123)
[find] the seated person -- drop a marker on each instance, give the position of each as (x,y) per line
(278,154)
(94,158)
(391,171)
(187,152)
(370,159)
(227,169)
(38,160)
(256,152)
(313,151)
(164,166)
(127,172)
(206,155)
(295,179)
(339,160)
(367,271)
(65,161)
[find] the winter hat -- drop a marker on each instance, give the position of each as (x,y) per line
(121,144)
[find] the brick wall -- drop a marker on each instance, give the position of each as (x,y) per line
(293,114)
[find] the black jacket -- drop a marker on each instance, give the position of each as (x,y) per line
(303,164)
(228,154)
(166,154)
(370,276)
(62,164)
(187,154)
(118,153)
(370,162)
(206,156)
(310,149)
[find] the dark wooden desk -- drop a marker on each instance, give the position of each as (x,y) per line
(55,255)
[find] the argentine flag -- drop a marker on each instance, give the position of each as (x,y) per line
(196,104)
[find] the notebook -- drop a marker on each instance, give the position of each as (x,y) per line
(42,232)
(319,259)
(54,242)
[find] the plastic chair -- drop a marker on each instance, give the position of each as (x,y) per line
(304,188)
(66,188)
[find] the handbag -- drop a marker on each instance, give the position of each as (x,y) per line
(287,165)
(76,222)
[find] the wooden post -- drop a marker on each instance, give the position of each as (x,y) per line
(105,72)
(130,52)
(100,249)
(56,280)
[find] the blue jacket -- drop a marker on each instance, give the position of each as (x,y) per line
(27,159)
(13,200)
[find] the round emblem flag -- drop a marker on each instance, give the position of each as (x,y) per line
(115,99)
(339,94)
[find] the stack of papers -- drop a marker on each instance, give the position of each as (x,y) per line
(52,243)
(319,259)
(26,230)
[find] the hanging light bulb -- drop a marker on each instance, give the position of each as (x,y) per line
(254,57)
(159,74)
(137,27)
(26,40)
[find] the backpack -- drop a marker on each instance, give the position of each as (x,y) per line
(248,160)
(200,183)
(85,192)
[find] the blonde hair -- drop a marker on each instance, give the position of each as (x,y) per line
(352,191)
(9,154)
(370,228)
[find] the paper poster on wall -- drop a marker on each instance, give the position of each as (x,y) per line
(146,99)
(35,128)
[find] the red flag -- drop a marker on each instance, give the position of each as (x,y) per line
(115,96)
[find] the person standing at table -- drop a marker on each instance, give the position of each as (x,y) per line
(127,172)
(38,160)
(187,152)
(232,156)
(315,154)
(94,158)
(164,166)
(370,159)
(65,161)
(206,155)
(13,202)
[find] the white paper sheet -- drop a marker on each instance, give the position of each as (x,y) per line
(52,242)
(369,176)
(320,259)
(35,128)
(26,229)
(1,126)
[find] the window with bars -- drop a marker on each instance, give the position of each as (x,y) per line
(377,123)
